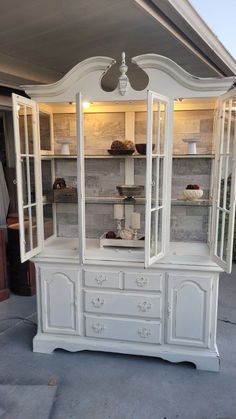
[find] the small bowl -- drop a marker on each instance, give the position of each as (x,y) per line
(142,148)
(130,191)
(193,194)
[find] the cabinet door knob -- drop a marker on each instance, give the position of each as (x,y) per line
(100,279)
(98,327)
(141,281)
(144,332)
(145,306)
(97,302)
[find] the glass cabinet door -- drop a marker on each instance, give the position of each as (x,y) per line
(158,175)
(28,170)
(224,187)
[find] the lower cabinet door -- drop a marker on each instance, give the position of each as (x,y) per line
(189,310)
(59,293)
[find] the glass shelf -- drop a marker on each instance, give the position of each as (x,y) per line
(134,156)
(197,203)
(105,156)
(193,156)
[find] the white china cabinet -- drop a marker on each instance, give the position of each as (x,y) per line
(154,290)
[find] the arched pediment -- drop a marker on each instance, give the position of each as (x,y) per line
(150,62)
(165,77)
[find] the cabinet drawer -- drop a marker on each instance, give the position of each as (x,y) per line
(123,304)
(142,281)
(102,279)
(123,329)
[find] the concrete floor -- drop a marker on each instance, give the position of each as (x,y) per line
(111,386)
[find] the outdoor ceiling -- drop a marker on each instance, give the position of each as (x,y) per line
(40,40)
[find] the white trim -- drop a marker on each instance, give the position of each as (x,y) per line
(82,69)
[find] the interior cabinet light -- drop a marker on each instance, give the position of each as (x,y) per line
(86,105)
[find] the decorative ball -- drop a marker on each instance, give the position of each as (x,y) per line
(129,145)
(126,234)
(117,145)
(110,235)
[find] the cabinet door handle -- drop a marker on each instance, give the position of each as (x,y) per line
(141,281)
(97,302)
(100,279)
(144,332)
(168,311)
(98,327)
(145,306)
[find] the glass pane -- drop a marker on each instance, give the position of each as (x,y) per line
(224,142)
(32,179)
(21,114)
(156,233)
(48,220)
(219,232)
(34,227)
(45,131)
(29,113)
(160,192)
(159,231)
(162,128)
(155,126)
(27,230)
(46,178)
(153,234)
(154,190)
(232,138)
(225,239)
(225,181)
(24,180)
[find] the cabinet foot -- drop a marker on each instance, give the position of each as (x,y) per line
(46,344)
(208,364)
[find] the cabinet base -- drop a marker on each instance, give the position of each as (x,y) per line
(203,359)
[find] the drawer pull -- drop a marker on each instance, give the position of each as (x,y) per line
(145,306)
(98,327)
(144,333)
(141,281)
(100,279)
(97,302)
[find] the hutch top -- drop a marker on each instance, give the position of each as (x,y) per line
(161,115)
(135,272)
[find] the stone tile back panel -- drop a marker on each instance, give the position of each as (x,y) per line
(100,129)
(187,124)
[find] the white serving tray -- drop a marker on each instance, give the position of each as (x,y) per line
(120,242)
